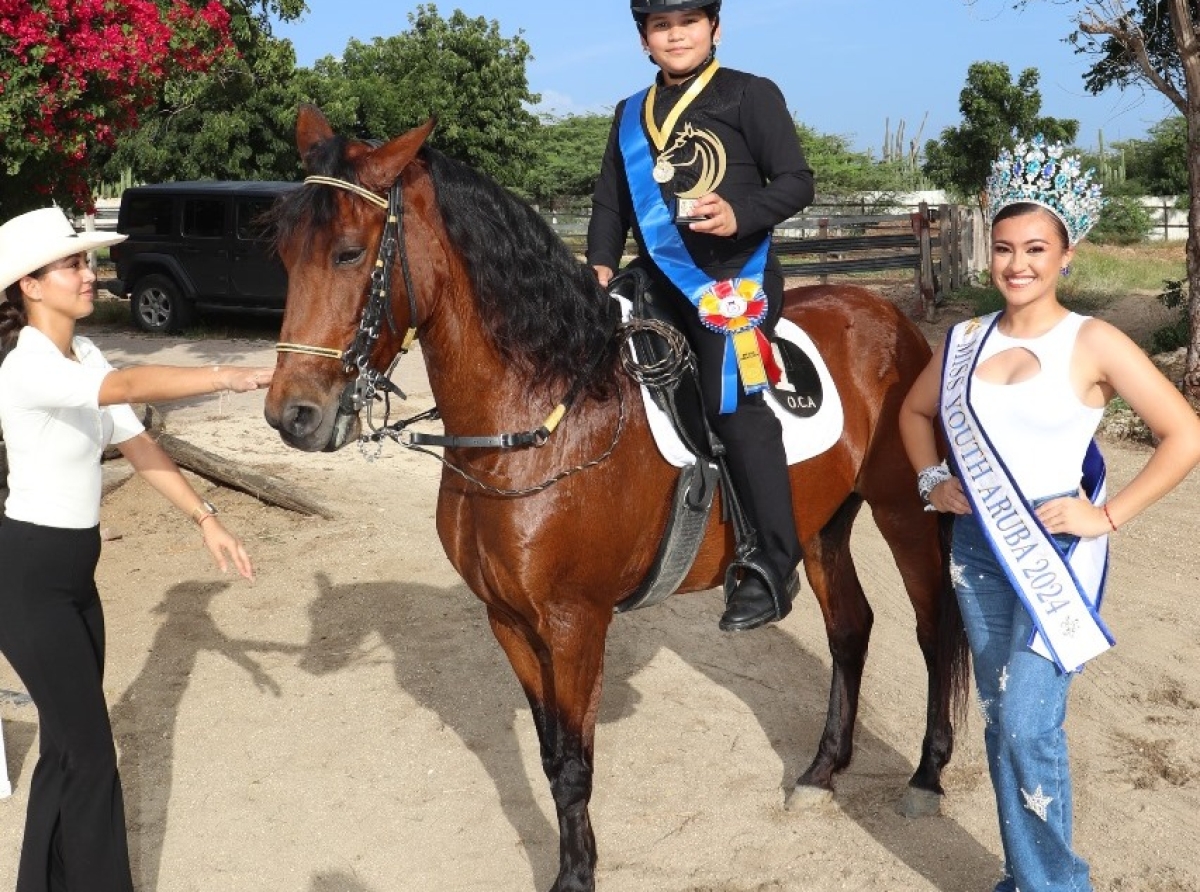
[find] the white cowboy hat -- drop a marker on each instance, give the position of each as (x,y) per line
(30,241)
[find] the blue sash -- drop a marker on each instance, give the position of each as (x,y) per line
(1060,592)
(670,254)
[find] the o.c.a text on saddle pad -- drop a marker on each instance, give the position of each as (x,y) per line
(803,437)
(799,388)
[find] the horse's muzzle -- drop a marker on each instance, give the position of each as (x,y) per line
(314,428)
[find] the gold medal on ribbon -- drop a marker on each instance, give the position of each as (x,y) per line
(709,156)
(664,171)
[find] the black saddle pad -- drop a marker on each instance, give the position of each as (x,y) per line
(799,389)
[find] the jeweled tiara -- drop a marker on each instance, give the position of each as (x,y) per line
(1037,172)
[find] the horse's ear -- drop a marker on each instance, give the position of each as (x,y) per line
(383,166)
(312,127)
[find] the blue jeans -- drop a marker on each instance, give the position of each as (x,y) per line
(1023,697)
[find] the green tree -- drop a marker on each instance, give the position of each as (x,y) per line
(995,112)
(1134,43)
(568,155)
(1155,43)
(1153,166)
(325,86)
(461,71)
(250,20)
(840,171)
(1166,158)
(1124,221)
(236,123)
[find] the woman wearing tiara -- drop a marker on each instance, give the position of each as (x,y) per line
(1018,395)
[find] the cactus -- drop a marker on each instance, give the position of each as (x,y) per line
(1110,172)
(894,148)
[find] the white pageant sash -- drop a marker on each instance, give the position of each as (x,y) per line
(1060,592)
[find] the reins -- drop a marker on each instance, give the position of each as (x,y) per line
(412,440)
(370,383)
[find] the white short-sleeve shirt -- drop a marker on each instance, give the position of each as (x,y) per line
(55,430)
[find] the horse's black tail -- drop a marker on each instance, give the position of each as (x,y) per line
(953,654)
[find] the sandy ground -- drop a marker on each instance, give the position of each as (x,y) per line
(346,723)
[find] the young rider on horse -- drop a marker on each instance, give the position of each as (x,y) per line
(702,166)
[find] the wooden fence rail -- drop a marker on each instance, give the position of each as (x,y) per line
(940,244)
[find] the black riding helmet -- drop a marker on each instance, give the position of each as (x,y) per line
(643,8)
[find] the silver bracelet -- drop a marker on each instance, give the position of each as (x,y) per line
(928,478)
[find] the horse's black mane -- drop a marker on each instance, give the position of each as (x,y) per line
(541,307)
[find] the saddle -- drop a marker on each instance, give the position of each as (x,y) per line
(656,354)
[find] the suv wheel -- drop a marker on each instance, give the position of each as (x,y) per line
(157,306)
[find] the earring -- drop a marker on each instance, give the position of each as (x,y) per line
(1066,271)
(717,42)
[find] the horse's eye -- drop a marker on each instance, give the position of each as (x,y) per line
(348,257)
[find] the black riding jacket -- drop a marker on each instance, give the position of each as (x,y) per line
(766,181)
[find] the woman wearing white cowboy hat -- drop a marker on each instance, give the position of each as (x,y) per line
(61,405)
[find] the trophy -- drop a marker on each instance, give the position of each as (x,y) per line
(707,157)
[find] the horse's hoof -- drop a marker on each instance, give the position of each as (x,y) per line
(919,803)
(806,798)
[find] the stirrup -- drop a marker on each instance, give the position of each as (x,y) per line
(782,591)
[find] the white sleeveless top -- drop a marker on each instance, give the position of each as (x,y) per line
(1039,426)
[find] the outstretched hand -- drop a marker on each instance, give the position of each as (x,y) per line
(240,379)
(225,548)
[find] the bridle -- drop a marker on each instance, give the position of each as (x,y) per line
(357,357)
(371,384)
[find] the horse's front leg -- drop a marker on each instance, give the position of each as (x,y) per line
(559,662)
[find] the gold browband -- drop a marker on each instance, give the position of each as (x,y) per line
(378,200)
(329,352)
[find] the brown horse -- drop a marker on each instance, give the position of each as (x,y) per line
(551,536)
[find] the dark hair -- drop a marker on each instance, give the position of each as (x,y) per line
(1021,208)
(12,317)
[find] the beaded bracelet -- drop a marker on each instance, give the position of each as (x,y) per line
(928,478)
(1108,517)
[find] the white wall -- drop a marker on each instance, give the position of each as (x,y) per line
(1170,222)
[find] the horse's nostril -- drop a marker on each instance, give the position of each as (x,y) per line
(300,419)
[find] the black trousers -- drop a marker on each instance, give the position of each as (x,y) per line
(752,434)
(52,633)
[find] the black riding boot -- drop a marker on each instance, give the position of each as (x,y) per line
(758,466)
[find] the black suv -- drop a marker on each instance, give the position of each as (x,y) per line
(197,246)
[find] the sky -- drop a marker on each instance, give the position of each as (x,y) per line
(846,67)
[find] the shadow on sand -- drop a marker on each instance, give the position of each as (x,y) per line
(144,718)
(446,659)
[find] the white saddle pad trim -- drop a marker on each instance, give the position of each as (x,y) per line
(802,437)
